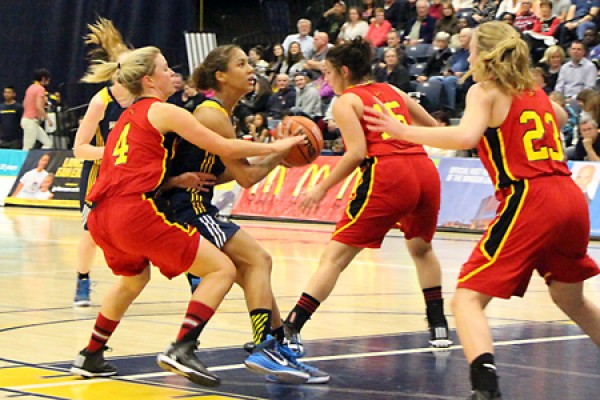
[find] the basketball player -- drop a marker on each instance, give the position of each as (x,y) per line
(104,110)
(226,71)
(543,222)
(399,186)
(133,233)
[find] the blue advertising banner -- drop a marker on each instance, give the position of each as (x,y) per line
(468,200)
(587,176)
(11,161)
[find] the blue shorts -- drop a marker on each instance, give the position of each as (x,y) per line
(211,226)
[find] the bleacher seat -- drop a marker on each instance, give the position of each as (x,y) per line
(416,69)
(431,91)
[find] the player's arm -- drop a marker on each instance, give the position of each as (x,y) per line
(466,135)
(87,129)
(346,111)
(40,105)
(561,114)
(170,118)
(239,169)
(418,114)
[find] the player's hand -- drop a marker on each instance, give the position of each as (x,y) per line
(382,120)
(284,145)
(312,199)
(200,181)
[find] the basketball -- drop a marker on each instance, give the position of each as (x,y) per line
(304,153)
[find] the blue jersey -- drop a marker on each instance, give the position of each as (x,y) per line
(91,169)
(186,157)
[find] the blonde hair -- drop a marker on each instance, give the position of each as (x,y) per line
(550,51)
(503,58)
(134,66)
(107,39)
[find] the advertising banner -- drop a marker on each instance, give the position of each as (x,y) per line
(587,176)
(277,196)
(48,178)
(10,165)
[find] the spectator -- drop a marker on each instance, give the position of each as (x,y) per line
(354,26)
(331,132)
(294,60)
(507,18)
(178,84)
(34,111)
(569,128)
(393,72)
(191,97)
(462,5)
(508,6)
(276,62)
(588,148)
(448,21)
(420,29)
(551,62)
(580,16)
(588,104)
(393,42)
(525,19)
(259,128)
(455,39)
(368,12)
(393,13)
(255,58)
(437,63)
(590,39)
(308,100)
(332,20)
(435,9)
(283,100)
(315,64)
(302,37)
(560,9)
(484,11)
(458,66)
(542,34)
(379,29)
(11,112)
(257,100)
(443,119)
(576,74)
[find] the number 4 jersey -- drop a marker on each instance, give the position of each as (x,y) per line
(135,159)
(527,144)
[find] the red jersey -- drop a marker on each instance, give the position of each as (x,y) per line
(381,144)
(526,145)
(134,160)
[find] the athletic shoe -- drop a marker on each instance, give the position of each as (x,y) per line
(293,340)
(484,395)
(82,293)
(249,347)
(314,373)
(92,365)
(266,359)
(439,336)
(181,359)
(194,281)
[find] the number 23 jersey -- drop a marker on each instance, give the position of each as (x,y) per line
(526,145)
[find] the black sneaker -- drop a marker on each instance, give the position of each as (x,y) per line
(180,359)
(249,347)
(92,365)
(484,395)
(439,336)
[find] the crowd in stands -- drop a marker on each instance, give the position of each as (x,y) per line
(420,46)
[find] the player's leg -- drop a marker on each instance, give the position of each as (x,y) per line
(86,254)
(430,280)
(254,266)
(476,338)
(570,299)
(90,361)
(335,258)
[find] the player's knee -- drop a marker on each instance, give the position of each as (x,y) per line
(419,249)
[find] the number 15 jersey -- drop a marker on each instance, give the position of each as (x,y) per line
(526,145)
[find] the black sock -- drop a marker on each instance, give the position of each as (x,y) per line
(81,276)
(302,312)
(483,373)
(278,334)
(435,305)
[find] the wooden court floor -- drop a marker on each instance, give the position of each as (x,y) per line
(369,335)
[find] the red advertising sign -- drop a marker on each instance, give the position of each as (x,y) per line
(277,196)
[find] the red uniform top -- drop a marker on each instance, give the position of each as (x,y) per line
(527,144)
(134,160)
(381,144)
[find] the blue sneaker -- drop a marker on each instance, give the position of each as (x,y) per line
(266,359)
(194,281)
(314,373)
(82,293)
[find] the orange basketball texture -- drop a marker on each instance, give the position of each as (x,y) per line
(304,153)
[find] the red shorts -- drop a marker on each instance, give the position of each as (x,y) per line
(132,232)
(542,224)
(393,191)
